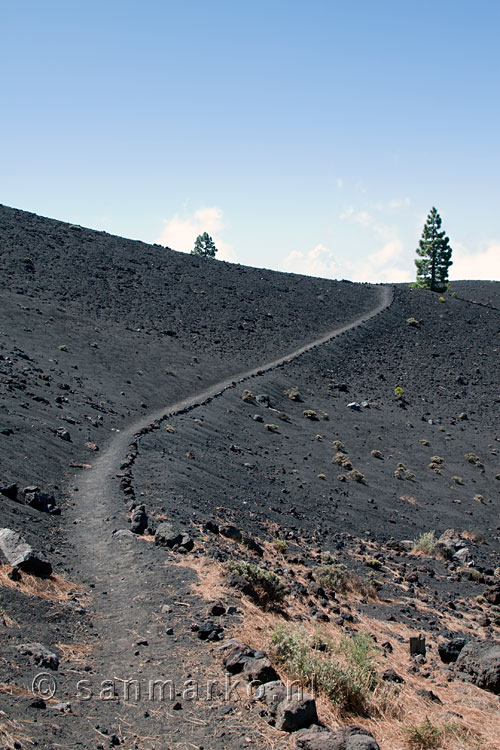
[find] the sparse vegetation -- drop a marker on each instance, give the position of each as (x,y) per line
(269,587)
(356,476)
(310,414)
(436,464)
(473,459)
(339,445)
(377,454)
(293,394)
(412,322)
(426,543)
(169,428)
(457,480)
(426,736)
(247,396)
(281,545)
(398,392)
(340,459)
(348,682)
(402,472)
(424,442)
(271,427)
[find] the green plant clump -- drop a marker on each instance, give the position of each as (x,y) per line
(269,587)
(349,685)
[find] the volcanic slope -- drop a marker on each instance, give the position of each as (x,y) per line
(250,481)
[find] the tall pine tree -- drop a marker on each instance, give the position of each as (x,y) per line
(435,255)
(204,247)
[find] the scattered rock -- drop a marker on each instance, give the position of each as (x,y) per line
(296,712)
(40,500)
(346,738)
(428,695)
(63,433)
(172,536)
(492,594)
(41,655)
(259,670)
(231,532)
(210,631)
(263,399)
(449,651)
(139,522)
(237,657)
(480,661)
(391,676)
(21,555)
(10,491)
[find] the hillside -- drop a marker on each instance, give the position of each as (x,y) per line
(141,386)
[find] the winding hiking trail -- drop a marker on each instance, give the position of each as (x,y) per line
(131,583)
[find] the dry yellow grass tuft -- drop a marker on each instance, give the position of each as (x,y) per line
(54,587)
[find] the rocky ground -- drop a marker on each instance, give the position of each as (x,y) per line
(217,497)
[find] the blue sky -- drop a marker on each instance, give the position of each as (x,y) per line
(310,137)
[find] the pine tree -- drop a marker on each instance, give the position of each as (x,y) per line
(204,247)
(435,253)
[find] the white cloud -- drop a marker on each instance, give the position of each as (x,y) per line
(340,182)
(376,267)
(482,264)
(180,233)
(319,261)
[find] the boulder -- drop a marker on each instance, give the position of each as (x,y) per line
(492,594)
(10,491)
(391,676)
(259,670)
(449,651)
(20,554)
(296,712)
(40,654)
(231,532)
(139,522)
(263,399)
(480,661)
(40,500)
(346,738)
(170,535)
(272,694)
(237,657)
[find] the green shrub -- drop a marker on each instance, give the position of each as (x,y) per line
(349,685)
(269,587)
(424,736)
(340,459)
(413,322)
(271,427)
(293,394)
(473,459)
(356,476)
(310,414)
(402,472)
(436,464)
(281,545)
(398,392)
(426,543)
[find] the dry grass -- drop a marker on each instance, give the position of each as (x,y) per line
(55,588)
(393,709)
(12,733)
(76,653)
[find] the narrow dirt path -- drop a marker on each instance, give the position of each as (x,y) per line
(131,582)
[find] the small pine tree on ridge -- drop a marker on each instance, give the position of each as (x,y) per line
(435,255)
